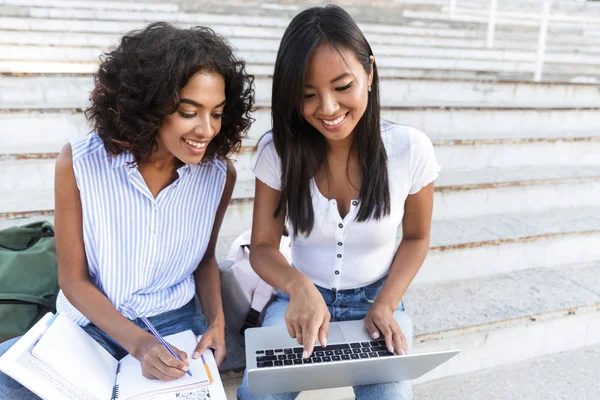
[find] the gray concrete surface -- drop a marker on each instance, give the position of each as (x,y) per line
(571,375)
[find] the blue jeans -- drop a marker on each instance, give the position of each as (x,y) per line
(343,305)
(171,322)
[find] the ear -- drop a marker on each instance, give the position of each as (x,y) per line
(372,61)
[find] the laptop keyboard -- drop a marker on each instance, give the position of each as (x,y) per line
(332,353)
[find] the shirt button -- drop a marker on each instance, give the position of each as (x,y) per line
(354,203)
(337,272)
(339,256)
(341,225)
(340,243)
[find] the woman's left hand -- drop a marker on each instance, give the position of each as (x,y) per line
(213,338)
(380,320)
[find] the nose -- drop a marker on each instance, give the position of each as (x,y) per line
(203,127)
(328,105)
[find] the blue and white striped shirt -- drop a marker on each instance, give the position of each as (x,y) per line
(142,251)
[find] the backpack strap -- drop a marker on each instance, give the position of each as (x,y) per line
(46,231)
(262,295)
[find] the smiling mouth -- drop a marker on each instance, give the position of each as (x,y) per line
(334,122)
(197,145)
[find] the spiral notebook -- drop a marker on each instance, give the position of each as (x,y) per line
(58,360)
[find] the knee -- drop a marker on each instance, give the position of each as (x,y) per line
(385,391)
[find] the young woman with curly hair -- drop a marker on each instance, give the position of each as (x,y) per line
(344,181)
(139,202)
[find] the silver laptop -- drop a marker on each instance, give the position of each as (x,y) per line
(275,365)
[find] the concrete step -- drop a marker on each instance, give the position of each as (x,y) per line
(104,5)
(380,43)
(473,132)
(555,16)
(554,24)
(466,162)
(238,25)
(569,374)
(502,60)
(488,190)
(64,91)
(461,248)
(231,27)
(533,15)
(502,189)
(497,321)
(412,58)
(559,75)
(490,315)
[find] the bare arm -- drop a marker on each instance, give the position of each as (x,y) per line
(416,225)
(73,273)
(265,257)
(208,281)
(307,315)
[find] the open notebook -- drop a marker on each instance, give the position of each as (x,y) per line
(57,360)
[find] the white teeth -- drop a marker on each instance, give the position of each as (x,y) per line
(195,144)
(334,122)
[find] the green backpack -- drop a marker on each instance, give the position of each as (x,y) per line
(28,277)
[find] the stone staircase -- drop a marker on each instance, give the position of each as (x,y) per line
(513,274)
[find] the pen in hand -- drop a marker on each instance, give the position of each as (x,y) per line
(161,340)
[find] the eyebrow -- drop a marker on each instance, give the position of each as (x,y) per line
(337,78)
(196,104)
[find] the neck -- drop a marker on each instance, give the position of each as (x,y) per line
(340,149)
(162,160)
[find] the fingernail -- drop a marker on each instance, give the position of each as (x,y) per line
(196,355)
(375,335)
(403,352)
(304,355)
(325,342)
(185,368)
(391,349)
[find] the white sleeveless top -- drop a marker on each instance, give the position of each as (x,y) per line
(343,253)
(142,251)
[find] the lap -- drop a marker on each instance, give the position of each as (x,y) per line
(184,318)
(344,306)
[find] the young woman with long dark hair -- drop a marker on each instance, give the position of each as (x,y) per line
(344,181)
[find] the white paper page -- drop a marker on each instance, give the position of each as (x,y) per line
(132,384)
(75,356)
(217,391)
(19,364)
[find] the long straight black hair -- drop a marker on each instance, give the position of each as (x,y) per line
(302,148)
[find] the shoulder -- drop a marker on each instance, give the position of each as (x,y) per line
(231,173)
(64,160)
(84,147)
(266,144)
(266,154)
(401,140)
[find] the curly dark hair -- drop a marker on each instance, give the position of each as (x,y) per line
(137,85)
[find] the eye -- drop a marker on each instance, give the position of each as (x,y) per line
(217,116)
(345,87)
(309,96)
(187,115)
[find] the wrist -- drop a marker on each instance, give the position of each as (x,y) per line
(218,323)
(138,343)
(386,304)
(298,283)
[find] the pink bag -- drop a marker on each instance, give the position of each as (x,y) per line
(245,294)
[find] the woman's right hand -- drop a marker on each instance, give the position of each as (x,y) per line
(158,363)
(307,316)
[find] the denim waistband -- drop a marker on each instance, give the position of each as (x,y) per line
(377,284)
